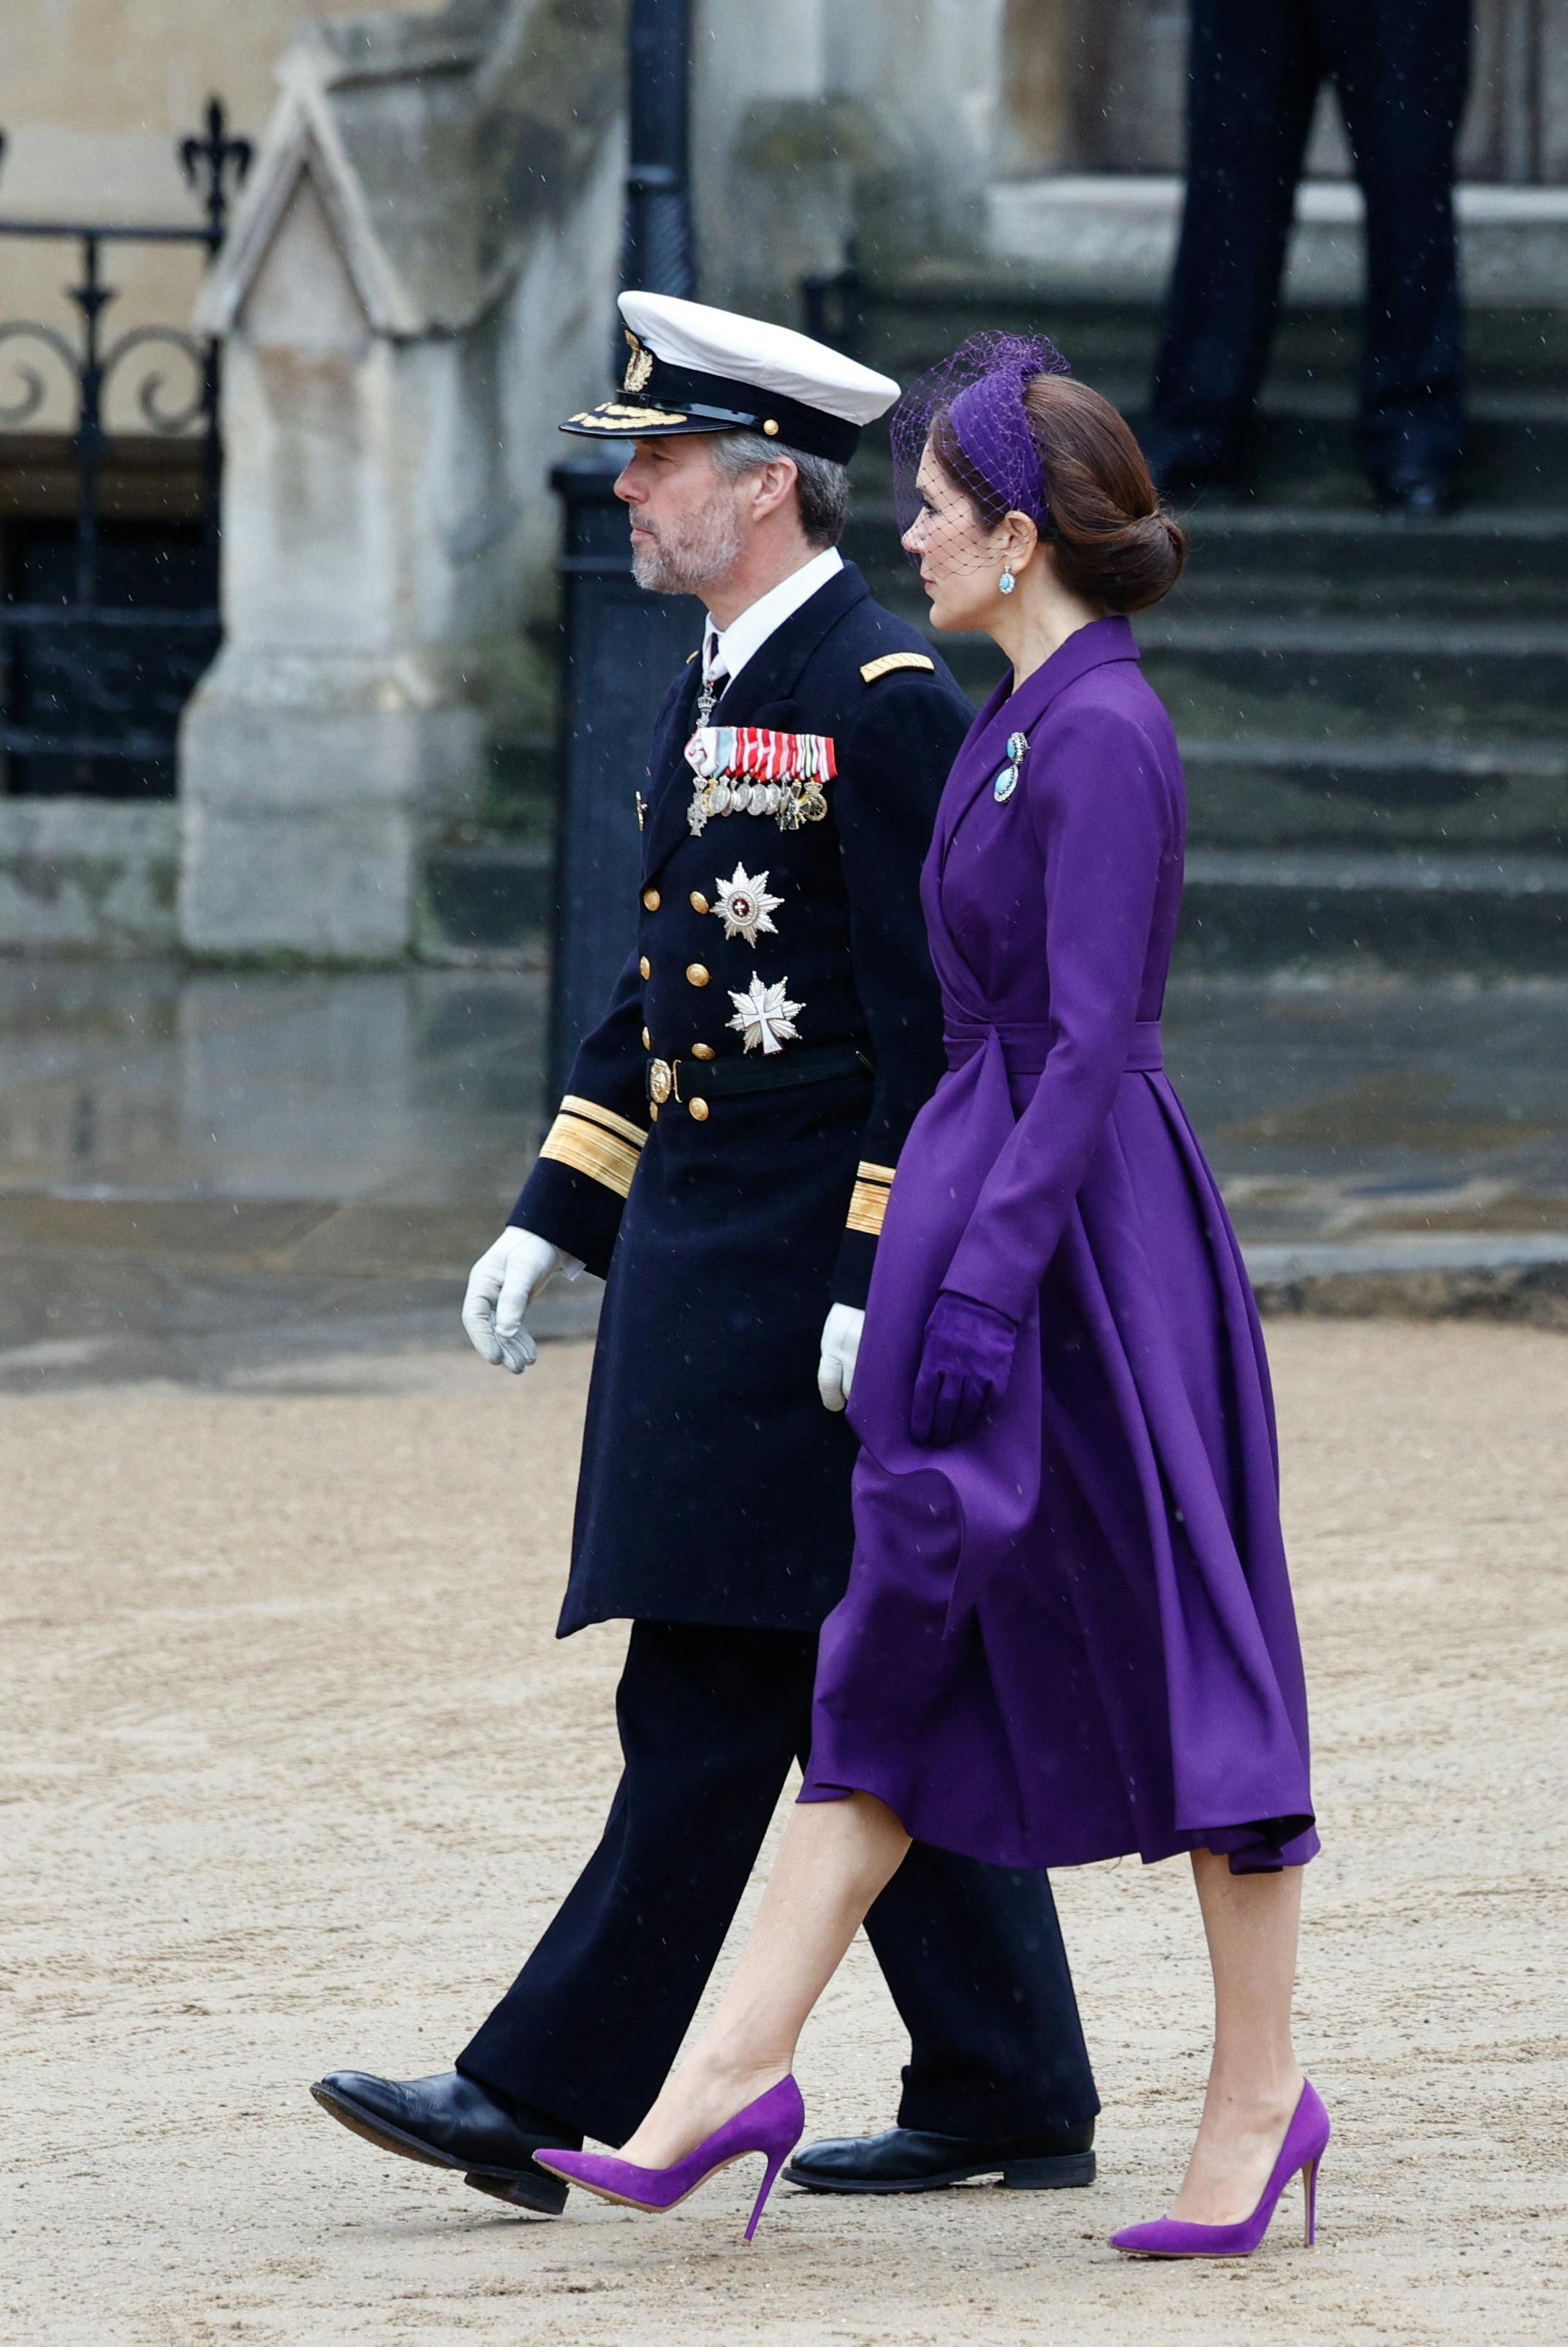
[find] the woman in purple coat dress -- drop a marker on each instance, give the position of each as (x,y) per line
(1068,1632)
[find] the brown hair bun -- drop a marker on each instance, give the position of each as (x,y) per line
(1114,542)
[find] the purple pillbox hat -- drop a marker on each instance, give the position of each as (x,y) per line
(980,387)
(992,429)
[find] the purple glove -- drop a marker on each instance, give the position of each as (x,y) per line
(964,1368)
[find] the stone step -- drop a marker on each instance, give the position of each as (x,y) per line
(1115,233)
(1306,456)
(1246,908)
(1340,680)
(1248,561)
(1385,791)
(914,319)
(1337,680)
(1299,910)
(1388,791)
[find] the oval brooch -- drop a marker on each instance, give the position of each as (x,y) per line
(1006,782)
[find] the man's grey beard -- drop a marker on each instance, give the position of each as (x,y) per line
(683,566)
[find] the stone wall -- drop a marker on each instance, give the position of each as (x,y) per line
(811,120)
(418,284)
(95,95)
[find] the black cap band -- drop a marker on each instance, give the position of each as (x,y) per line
(659,401)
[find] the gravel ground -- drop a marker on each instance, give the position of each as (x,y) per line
(294,1772)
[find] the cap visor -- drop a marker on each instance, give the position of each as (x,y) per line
(620,419)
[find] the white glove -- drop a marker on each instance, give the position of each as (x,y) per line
(501,1286)
(840,1345)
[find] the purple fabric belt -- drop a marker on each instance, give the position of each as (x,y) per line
(1026,1041)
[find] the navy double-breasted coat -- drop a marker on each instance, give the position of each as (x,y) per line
(714,1486)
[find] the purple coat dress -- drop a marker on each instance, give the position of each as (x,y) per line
(1069,1634)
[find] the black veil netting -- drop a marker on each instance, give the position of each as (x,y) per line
(1002,467)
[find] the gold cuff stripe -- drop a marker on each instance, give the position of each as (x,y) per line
(574,1106)
(588,1148)
(867,1206)
(866,1171)
(891,661)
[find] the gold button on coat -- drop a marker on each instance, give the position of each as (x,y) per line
(647,1040)
(699,1108)
(701,1051)
(645,967)
(699,902)
(652,900)
(695,974)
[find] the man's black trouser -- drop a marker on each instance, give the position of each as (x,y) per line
(1401,67)
(711,1720)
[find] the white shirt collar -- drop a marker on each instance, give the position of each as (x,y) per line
(726,650)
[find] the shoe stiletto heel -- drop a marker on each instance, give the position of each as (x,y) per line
(776,2161)
(1301,2153)
(771,2124)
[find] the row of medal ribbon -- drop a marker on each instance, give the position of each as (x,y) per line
(753,769)
(761,754)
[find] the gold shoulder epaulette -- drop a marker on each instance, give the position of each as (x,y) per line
(890,660)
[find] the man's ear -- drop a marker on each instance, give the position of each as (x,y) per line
(775,485)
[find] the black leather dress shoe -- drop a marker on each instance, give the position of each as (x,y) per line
(904,2160)
(1418,496)
(448,2121)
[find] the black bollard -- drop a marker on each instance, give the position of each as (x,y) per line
(623,646)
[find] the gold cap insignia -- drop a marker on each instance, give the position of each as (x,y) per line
(639,366)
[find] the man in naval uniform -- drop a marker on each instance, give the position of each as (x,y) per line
(722,1156)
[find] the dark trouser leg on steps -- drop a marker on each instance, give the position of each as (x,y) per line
(1254,71)
(1401,72)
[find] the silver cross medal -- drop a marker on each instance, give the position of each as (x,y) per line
(764,1015)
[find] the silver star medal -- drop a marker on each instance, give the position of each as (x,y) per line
(744,904)
(764,1015)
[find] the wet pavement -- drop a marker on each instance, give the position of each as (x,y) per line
(227,1178)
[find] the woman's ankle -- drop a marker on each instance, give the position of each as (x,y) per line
(739,2065)
(1255,2099)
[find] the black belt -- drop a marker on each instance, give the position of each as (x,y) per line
(814,1063)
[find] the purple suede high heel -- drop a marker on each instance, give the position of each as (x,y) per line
(1306,2141)
(773,2125)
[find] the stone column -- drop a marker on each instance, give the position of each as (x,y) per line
(418,283)
(342,724)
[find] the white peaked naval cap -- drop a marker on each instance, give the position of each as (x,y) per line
(693,368)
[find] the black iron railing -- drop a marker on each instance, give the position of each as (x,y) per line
(106,623)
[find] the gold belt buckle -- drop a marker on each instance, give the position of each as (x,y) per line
(662,1085)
